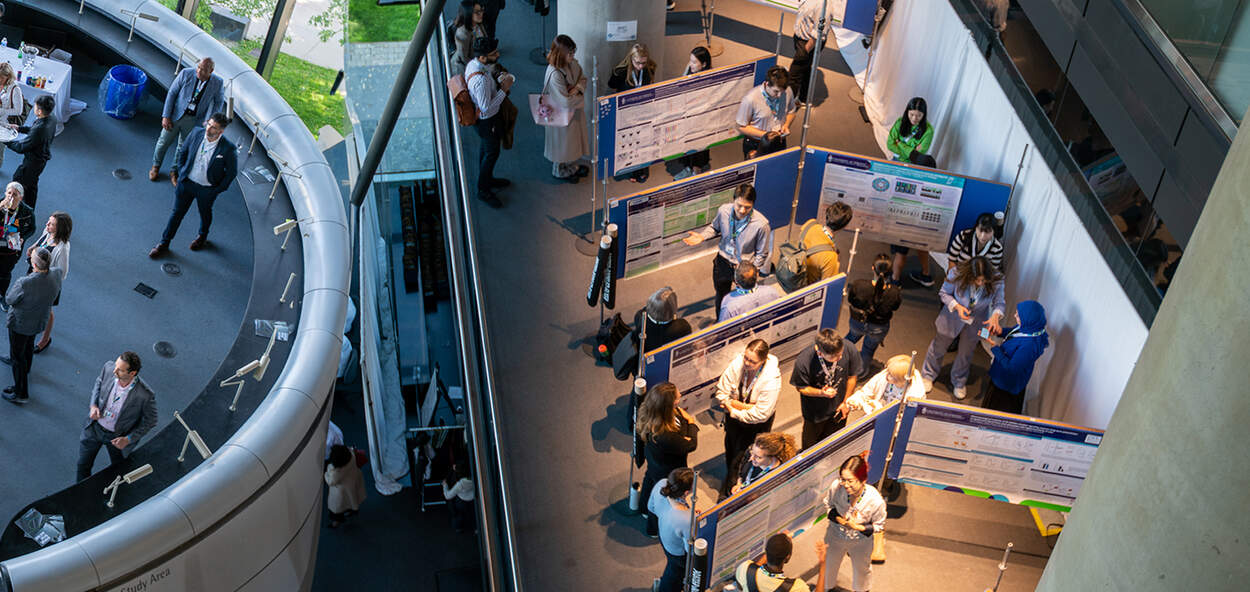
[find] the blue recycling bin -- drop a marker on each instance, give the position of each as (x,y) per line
(121,90)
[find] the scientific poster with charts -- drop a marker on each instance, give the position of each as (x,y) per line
(896,204)
(658,222)
(1010,458)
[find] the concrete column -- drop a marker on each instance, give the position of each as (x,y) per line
(1165,504)
(586,21)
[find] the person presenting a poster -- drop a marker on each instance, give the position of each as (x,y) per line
(748,391)
(806,30)
(745,235)
(636,70)
(887,386)
(768,107)
(823,375)
(972,304)
(856,511)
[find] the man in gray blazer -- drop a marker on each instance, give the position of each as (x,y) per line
(30,301)
(194,95)
(123,410)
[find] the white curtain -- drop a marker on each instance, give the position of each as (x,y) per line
(1096,335)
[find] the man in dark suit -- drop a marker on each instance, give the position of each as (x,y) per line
(30,301)
(195,94)
(123,409)
(206,167)
(35,148)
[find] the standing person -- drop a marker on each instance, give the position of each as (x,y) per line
(701,161)
(468,28)
(824,374)
(12,105)
(493,8)
(744,236)
(768,107)
(459,493)
(769,451)
(636,70)
(669,501)
(972,299)
(747,294)
(887,386)
(667,435)
(30,301)
(806,30)
(911,135)
(978,241)
(565,87)
(748,392)
(1013,361)
(207,167)
(122,411)
(55,238)
(856,511)
(821,262)
(488,95)
(872,305)
(771,576)
(35,148)
(195,94)
(19,223)
(347,485)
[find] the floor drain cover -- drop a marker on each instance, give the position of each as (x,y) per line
(171,268)
(164,349)
(146,290)
(122,174)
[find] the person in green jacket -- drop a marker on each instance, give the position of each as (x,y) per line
(912,132)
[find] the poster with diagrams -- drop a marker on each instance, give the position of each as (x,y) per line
(895,204)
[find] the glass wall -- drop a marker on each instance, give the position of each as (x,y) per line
(1214,37)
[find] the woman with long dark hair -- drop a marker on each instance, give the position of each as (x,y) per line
(55,238)
(467,27)
(701,161)
(667,435)
(912,132)
(670,501)
(972,301)
(856,511)
(872,305)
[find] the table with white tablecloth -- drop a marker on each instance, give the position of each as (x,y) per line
(59,75)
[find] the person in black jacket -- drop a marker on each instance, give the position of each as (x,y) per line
(663,325)
(667,435)
(35,148)
(636,70)
(18,221)
(872,305)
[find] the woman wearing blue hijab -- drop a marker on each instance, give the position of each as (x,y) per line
(1013,361)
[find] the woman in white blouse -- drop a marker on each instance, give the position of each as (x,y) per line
(856,511)
(55,238)
(887,386)
(11,102)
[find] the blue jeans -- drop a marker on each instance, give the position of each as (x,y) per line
(674,573)
(873,335)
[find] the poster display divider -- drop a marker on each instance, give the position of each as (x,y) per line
(858,15)
(652,223)
(675,117)
(694,363)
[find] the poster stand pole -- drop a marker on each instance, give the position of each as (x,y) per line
(586,243)
(781,23)
(690,538)
(851,261)
(1012,192)
(708,17)
(635,494)
(856,93)
(878,538)
(1002,567)
(807,115)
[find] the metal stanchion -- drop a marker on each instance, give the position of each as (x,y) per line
(707,16)
(1002,567)
(851,261)
(781,23)
(586,243)
(807,114)
(856,93)
(878,538)
(640,390)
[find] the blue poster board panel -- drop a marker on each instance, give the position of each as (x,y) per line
(977,196)
(1000,456)
(695,363)
(860,16)
(667,119)
(651,224)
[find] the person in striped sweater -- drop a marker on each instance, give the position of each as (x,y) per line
(978,241)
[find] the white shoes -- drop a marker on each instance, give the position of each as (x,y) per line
(961,393)
(928,385)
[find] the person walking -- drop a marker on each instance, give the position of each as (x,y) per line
(207,168)
(806,29)
(667,434)
(30,302)
(347,485)
(35,148)
(564,88)
(19,224)
(55,238)
(195,94)
(488,95)
(459,492)
(122,411)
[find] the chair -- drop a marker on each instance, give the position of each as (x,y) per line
(61,55)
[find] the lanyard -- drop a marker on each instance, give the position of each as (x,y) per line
(636,78)
(774,105)
(830,372)
(744,392)
(986,249)
(736,229)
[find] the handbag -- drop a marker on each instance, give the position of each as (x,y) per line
(611,333)
(546,113)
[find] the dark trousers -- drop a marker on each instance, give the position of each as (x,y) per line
(872,334)
(27,174)
(722,279)
(674,572)
(189,191)
(93,437)
(490,130)
(815,431)
(22,352)
(701,159)
(800,69)
(1000,399)
(8,260)
(751,147)
(462,514)
(738,438)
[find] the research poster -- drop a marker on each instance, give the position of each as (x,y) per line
(695,366)
(791,500)
(658,222)
(900,205)
(673,118)
(1005,457)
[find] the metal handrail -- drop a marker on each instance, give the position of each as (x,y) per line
(474,346)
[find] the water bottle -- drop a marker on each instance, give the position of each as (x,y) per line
(4,41)
(21,50)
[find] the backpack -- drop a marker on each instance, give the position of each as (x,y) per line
(753,585)
(792,265)
(458,88)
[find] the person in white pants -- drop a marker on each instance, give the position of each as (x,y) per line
(856,511)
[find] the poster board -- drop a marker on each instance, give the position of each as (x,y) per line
(672,118)
(651,224)
(695,363)
(895,202)
(856,15)
(1000,456)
